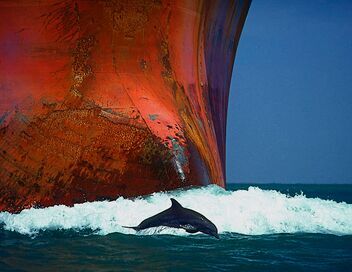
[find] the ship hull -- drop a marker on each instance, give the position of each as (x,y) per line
(101,99)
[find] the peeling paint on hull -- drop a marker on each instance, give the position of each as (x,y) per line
(100,99)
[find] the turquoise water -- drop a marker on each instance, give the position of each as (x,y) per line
(262,227)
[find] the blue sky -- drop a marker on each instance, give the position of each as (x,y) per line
(290,107)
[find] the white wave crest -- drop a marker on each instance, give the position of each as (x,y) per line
(252,212)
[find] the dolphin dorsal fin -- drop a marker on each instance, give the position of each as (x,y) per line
(175,204)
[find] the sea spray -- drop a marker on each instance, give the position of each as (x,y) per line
(252,212)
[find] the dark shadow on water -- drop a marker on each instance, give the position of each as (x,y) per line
(76,251)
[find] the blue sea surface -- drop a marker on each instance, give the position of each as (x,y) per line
(276,227)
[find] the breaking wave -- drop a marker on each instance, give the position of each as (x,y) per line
(251,212)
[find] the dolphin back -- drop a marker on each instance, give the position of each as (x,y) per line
(160,219)
(179,217)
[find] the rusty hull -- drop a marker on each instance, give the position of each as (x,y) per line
(108,98)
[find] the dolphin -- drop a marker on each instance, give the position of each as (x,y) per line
(179,217)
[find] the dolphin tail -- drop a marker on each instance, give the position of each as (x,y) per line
(135,228)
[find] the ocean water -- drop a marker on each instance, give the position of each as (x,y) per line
(262,227)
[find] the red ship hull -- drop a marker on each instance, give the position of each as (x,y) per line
(100,99)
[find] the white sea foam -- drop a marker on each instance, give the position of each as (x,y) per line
(253,212)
